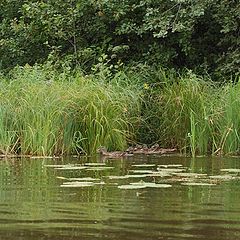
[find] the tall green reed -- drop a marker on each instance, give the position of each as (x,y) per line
(182,113)
(229,119)
(60,114)
(43,112)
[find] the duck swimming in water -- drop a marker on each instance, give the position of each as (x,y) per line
(116,154)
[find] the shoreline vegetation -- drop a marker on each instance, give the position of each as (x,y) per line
(45,112)
(77,75)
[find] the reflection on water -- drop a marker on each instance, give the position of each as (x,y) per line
(34,206)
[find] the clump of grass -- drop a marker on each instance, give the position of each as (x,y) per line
(187,113)
(229,119)
(55,114)
(193,114)
(106,116)
(181,113)
(43,112)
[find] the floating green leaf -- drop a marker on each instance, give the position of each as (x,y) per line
(94,164)
(141,171)
(99,168)
(223,177)
(130,186)
(173,170)
(77,184)
(100,183)
(118,177)
(137,176)
(190,175)
(197,184)
(71,168)
(170,165)
(144,165)
(84,179)
(60,177)
(151,185)
(59,165)
(231,170)
(160,174)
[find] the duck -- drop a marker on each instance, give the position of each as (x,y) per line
(116,154)
(153,149)
(166,150)
(140,149)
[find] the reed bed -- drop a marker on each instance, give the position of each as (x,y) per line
(228,124)
(193,114)
(42,113)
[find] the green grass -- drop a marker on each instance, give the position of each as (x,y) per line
(43,112)
(193,114)
(229,119)
(186,108)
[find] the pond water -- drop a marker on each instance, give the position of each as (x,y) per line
(69,199)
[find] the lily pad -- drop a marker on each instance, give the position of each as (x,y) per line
(158,185)
(59,165)
(142,171)
(151,185)
(223,177)
(197,184)
(118,177)
(144,165)
(137,175)
(231,170)
(99,168)
(94,164)
(190,175)
(182,179)
(60,177)
(172,170)
(100,183)
(130,187)
(159,174)
(71,168)
(170,165)
(77,184)
(40,157)
(84,179)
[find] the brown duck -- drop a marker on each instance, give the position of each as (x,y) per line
(154,149)
(116,154)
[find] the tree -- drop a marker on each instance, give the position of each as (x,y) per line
(202,35)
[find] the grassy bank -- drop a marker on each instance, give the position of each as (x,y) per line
(193,114)
(44,112)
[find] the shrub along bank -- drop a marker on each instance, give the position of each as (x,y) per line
(45,112)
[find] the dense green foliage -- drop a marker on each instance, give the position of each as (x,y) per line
(94,73)
(202,35)
(193,114)
(46,113)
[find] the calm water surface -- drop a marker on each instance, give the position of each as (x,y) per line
(33,205)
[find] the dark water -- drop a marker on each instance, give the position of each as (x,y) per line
(34,206)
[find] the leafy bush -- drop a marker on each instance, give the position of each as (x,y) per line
(201,35)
